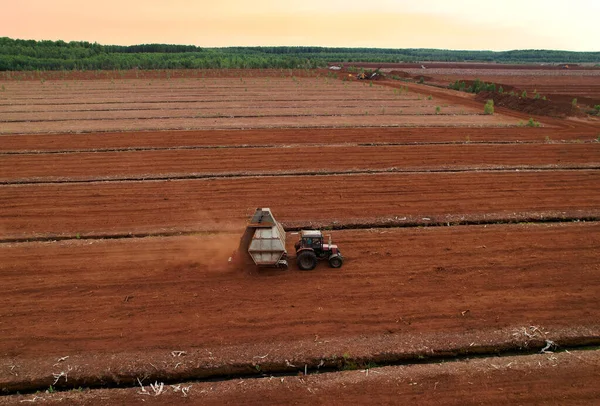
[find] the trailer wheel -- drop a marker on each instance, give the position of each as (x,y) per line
(335,261)
(307,260)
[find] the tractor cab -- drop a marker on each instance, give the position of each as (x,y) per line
(311,239)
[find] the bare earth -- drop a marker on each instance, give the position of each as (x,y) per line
(567,378)
(464,235)
(136,104)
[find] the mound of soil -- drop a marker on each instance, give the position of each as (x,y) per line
(581,100)
(505,88)
(425,78)
(531,106)
(407,75)
(400,73)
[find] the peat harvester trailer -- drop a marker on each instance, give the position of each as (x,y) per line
(263,244)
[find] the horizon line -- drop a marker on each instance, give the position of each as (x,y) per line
(301,46)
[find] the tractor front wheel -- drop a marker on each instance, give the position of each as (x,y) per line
(307,260)
(335,261)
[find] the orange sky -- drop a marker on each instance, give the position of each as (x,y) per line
(466,24)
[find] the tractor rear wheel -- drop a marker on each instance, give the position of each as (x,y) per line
(335,261)
(307,260)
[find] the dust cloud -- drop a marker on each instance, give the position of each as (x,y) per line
(212,249)
(209,251)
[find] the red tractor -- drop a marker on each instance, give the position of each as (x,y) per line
(311,248)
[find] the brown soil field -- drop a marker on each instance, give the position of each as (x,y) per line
(456,268)
(257,161)
(240,112)
(282,137)
(464,272)
(440,90)
(138,207)
(568,76)
(124,193)
(193,105)
(585,89)
(429,120)
(517,68)
(546,379)
(130,104)
(560,86)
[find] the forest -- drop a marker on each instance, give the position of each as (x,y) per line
(17,55)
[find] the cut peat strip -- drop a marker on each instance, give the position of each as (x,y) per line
(449,221)
(335,126)
(365,135)
(237,115)
(196,368)
(193,100)
(531,379)
(265,146)
(168,108)
(177,205)
(493,169)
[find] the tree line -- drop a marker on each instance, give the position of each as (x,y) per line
(17,54)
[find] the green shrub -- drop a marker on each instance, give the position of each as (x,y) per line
(421,80)
(489,107)
(574,103)
(479,86)
(500,90)
(524,94)
(532,123)
(438,110)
